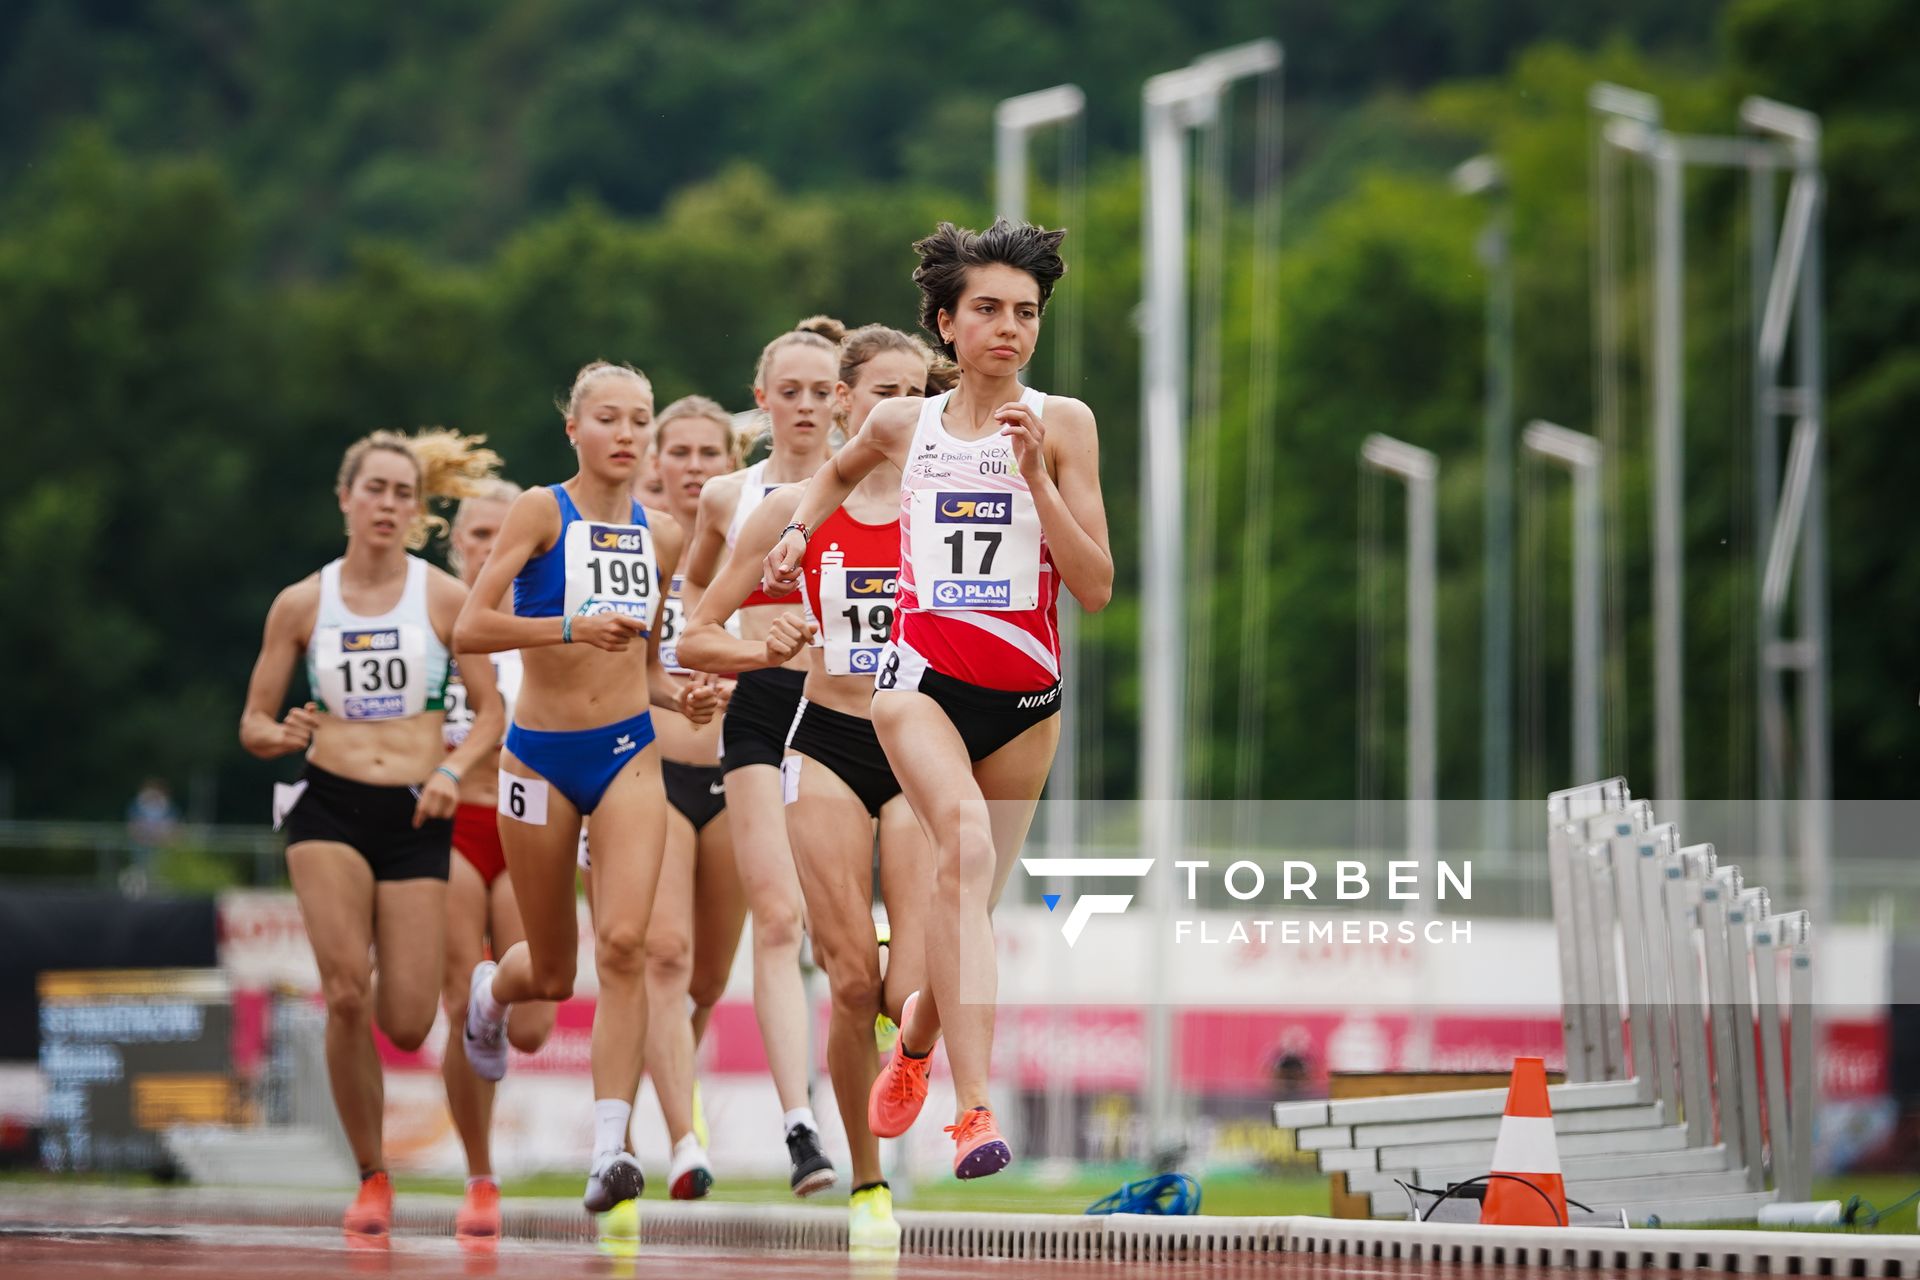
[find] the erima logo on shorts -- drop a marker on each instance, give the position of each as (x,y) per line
(974,508)
(995,593)
(623,744)
(1038,699)
(370,641)
(608,538)
(870,586)
(1093,904)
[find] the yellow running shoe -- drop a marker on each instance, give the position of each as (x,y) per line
(870,1224)
(618,1230)
(699,1117)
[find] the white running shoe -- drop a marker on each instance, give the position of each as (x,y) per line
(614,1179)
(689,1177)
(486,1039)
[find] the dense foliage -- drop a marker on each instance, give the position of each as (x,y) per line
(233,237)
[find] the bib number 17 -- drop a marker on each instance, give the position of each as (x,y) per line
(985,541)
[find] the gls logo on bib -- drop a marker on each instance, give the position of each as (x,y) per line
(602,538)
(871,586)
(369,641)
(974,508)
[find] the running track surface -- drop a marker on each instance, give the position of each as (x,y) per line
(248,1253)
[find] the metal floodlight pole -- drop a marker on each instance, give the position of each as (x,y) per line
(1669,452)
(1623,120)
(1665,154)
(1793,297)
(1580,455)
(1484,175)
(1172,104)
(1420,470)
(1789,506)
(1015,121)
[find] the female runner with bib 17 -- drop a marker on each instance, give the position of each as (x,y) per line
(1000,507)
(584,568)
(370,822)
(482,914)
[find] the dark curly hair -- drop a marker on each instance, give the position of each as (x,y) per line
(947,254)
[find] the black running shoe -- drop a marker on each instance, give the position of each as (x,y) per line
(812,1171)
(610,1183)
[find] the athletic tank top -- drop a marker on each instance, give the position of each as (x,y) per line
(384,668)
(591,568)
(849,576)
(754,489)
(977,586)
(506,675)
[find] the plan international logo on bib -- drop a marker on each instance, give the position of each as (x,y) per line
(370,641)
(610,538)
(993,593)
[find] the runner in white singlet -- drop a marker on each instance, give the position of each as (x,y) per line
(1000,507)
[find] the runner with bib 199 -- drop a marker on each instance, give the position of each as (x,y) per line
(1000,507)
(585,570)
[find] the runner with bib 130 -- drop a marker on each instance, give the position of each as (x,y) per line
(585,569)
(1000,507)
(370,823)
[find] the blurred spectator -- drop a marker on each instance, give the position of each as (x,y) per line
(152,823)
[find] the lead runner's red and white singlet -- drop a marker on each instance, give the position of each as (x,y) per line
(978,592)
(849,579)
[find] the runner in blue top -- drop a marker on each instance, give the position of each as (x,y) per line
(585,571)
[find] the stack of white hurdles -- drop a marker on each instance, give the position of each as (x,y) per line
(1670,971)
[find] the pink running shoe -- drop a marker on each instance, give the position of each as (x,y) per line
(901,1087)
(978,1148)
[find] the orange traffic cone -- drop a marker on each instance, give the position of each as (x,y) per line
(1525,1153)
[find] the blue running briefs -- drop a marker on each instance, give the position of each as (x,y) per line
(581,763)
